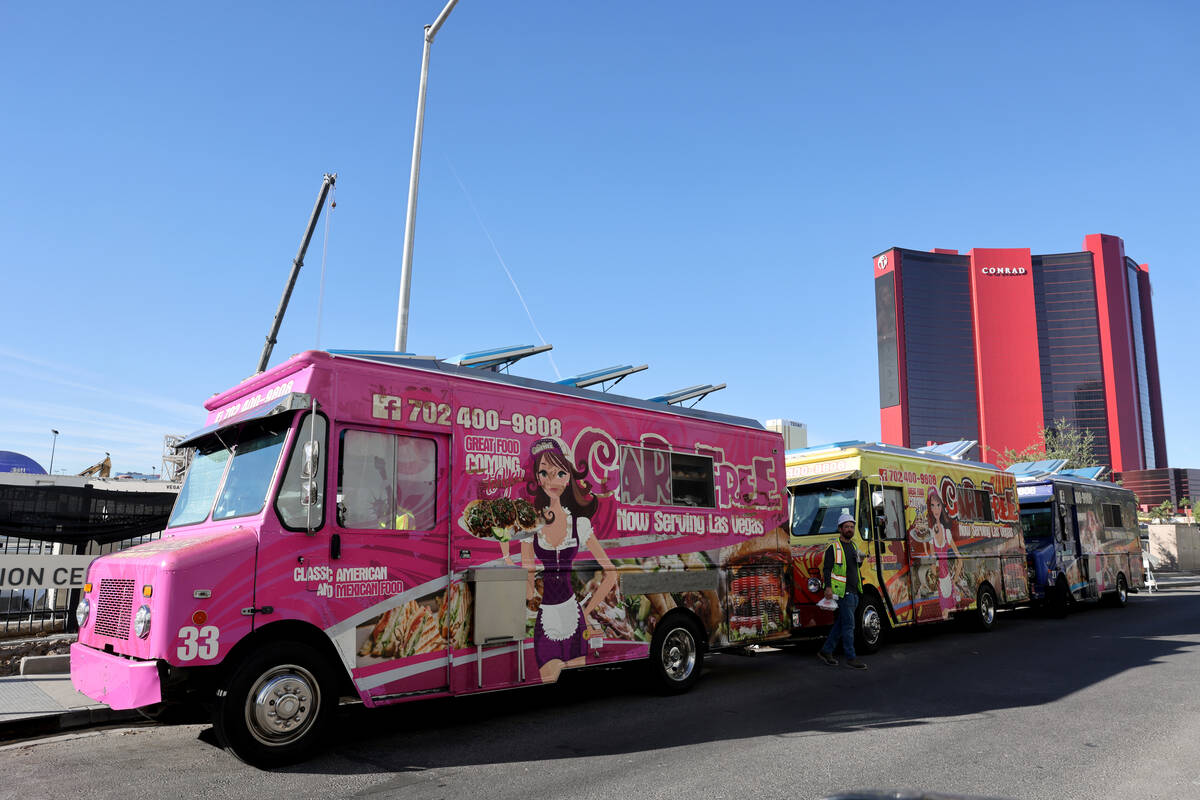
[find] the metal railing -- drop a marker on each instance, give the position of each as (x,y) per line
(35,612)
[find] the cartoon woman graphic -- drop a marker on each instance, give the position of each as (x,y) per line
(566,504)
(941,528)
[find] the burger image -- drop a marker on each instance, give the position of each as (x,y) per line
(756,598)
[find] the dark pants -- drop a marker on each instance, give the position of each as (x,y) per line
(843,627)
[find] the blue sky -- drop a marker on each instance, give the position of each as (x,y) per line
(699,186)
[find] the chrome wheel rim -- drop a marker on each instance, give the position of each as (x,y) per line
(1122,590)
(872,625)
(282,705)
(987,609)
(679,654)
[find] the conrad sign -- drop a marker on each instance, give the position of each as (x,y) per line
(1003,270)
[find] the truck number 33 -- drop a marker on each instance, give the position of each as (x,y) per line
(197,642)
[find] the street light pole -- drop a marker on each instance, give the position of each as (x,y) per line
(53,442)
(413,179)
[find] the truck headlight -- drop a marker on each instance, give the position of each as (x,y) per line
(141,622)
(83,611)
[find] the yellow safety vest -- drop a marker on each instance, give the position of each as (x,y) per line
(837,576)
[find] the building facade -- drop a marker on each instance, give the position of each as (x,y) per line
(1153,486)
(996,344)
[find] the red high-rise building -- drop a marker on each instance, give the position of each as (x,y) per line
(998,343)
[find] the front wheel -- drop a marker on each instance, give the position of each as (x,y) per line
(872,624)
(985,608)
(676,655)
(1120,597)
(1058,601)
(276,706)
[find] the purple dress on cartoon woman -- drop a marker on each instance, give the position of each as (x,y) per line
(559,630)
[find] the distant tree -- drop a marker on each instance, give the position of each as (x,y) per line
(1059,440)
(1162,511)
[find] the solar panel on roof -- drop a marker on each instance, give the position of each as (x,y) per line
(498,358)
(614,374)
(698,392)
(1091,473)
(1028,469)
(956,449)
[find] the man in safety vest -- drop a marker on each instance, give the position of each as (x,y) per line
(843,582)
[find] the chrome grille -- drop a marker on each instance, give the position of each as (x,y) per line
(114,607)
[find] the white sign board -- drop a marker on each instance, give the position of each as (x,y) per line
(43,572)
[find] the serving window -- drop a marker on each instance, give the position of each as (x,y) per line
(662,478)
(386,482)
(1112,516)
(975,505)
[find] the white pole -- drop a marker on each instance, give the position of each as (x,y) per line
(413,180)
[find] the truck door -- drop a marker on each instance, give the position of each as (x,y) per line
(892,551)
(393,525)
(1066,537)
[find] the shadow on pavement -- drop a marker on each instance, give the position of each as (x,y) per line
(919,679)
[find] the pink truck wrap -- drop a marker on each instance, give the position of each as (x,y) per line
(394,528)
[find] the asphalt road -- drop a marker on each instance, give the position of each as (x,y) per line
(1101,704)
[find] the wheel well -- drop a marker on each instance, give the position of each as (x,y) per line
(290,630)
(691,615)
(987,584)
(870,590)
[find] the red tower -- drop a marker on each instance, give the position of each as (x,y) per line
(998,343)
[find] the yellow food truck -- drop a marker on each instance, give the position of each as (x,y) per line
(938,536)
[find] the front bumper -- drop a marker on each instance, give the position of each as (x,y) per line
(116,681)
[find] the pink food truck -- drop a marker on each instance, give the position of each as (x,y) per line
(387,528)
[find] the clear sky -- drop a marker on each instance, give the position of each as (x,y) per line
(700,186)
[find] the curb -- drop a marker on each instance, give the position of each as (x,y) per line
(1165,586)
(46,665)
(32,727)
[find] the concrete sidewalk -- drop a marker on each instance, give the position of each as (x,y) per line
(1176,580)
(38,705)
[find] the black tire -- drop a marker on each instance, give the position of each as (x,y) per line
(276,705)
(871,627)
(676,654)
(1058,599)
(1120,597)
(985,608)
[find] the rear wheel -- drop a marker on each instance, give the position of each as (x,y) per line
(676,655)
(1120,597)
(276,706)
(985,608)
(872,624)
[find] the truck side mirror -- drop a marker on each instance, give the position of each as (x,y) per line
(308,493)
(312,459)
(877,501)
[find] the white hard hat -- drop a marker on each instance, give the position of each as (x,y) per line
(845,517)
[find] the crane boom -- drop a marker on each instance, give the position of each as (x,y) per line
(297,262)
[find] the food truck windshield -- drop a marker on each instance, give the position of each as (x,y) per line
(815,509)
(1037,525)
(231,471)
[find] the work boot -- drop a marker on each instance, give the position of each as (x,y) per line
(854,663)
(827,658)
